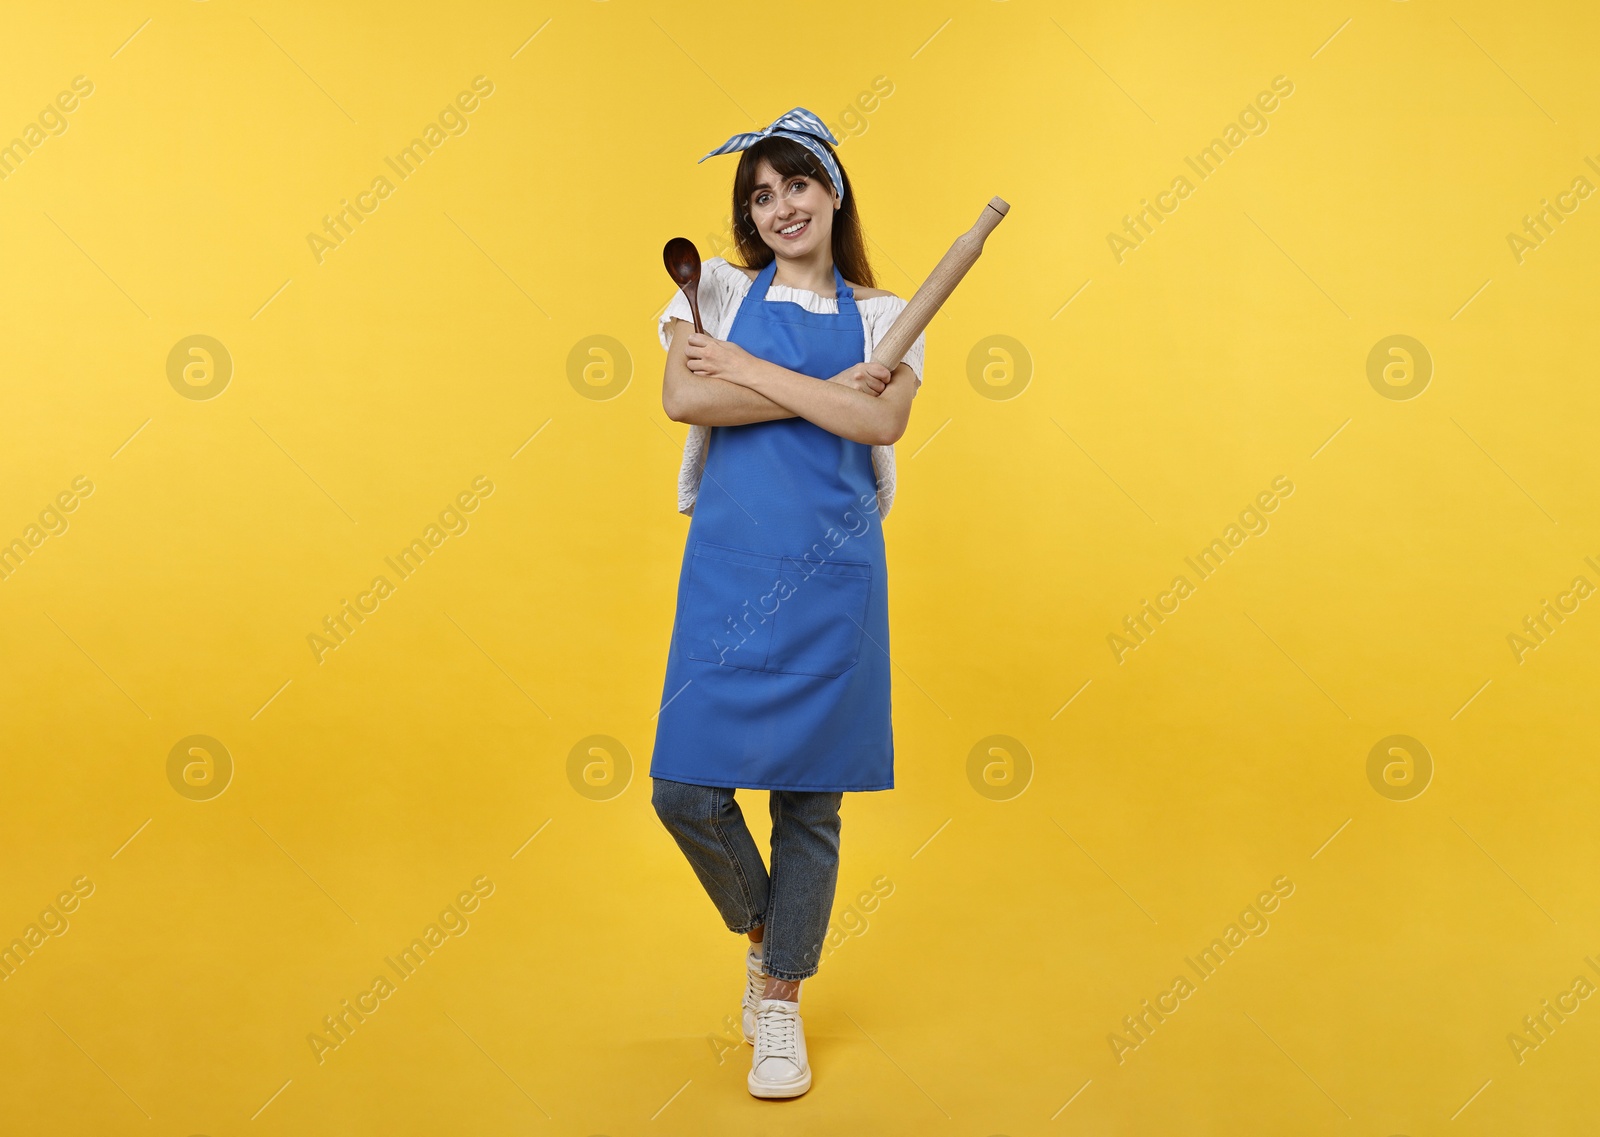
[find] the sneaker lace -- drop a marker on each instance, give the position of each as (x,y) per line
(775,1032)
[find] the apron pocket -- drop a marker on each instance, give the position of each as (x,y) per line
(768,613)
(821,617)
(727,606)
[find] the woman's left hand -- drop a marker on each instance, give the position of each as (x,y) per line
(717,359)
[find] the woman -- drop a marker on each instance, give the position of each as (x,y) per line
(778,677)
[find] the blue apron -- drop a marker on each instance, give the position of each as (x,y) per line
(778,676)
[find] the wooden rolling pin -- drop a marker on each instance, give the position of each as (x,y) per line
(941,282)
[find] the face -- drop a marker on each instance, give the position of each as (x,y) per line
(777,204)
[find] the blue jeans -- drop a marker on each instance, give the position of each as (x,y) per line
(794,900)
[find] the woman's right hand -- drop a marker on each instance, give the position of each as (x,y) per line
(868,378)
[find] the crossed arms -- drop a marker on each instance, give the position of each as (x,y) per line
(714,382)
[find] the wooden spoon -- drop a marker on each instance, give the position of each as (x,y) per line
(683,265)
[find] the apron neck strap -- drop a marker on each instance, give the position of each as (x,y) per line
(758,288)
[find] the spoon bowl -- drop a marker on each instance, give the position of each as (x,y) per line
(683,265)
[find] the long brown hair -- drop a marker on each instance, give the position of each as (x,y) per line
(792,160)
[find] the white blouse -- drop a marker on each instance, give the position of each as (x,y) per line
(722,289)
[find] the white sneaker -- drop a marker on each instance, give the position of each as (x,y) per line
(779,1069)
(755,982)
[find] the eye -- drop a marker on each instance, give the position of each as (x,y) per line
(798,182)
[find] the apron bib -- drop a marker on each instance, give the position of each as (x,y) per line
(778,674)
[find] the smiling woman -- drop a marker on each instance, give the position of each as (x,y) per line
(789,220)
(790,417)
(780,184)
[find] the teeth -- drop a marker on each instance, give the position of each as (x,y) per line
(793,228)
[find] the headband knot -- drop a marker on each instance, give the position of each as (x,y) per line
(803,127)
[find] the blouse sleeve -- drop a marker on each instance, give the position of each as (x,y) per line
(887,312)
(713,295)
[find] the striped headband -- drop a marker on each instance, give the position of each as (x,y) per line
(800,125)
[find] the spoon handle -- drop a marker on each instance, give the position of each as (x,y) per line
(694,303)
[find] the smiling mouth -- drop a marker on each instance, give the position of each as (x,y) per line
(794,231)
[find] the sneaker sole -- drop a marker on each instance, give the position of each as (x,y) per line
(779,1089)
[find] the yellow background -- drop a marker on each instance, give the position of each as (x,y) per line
(590,993)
